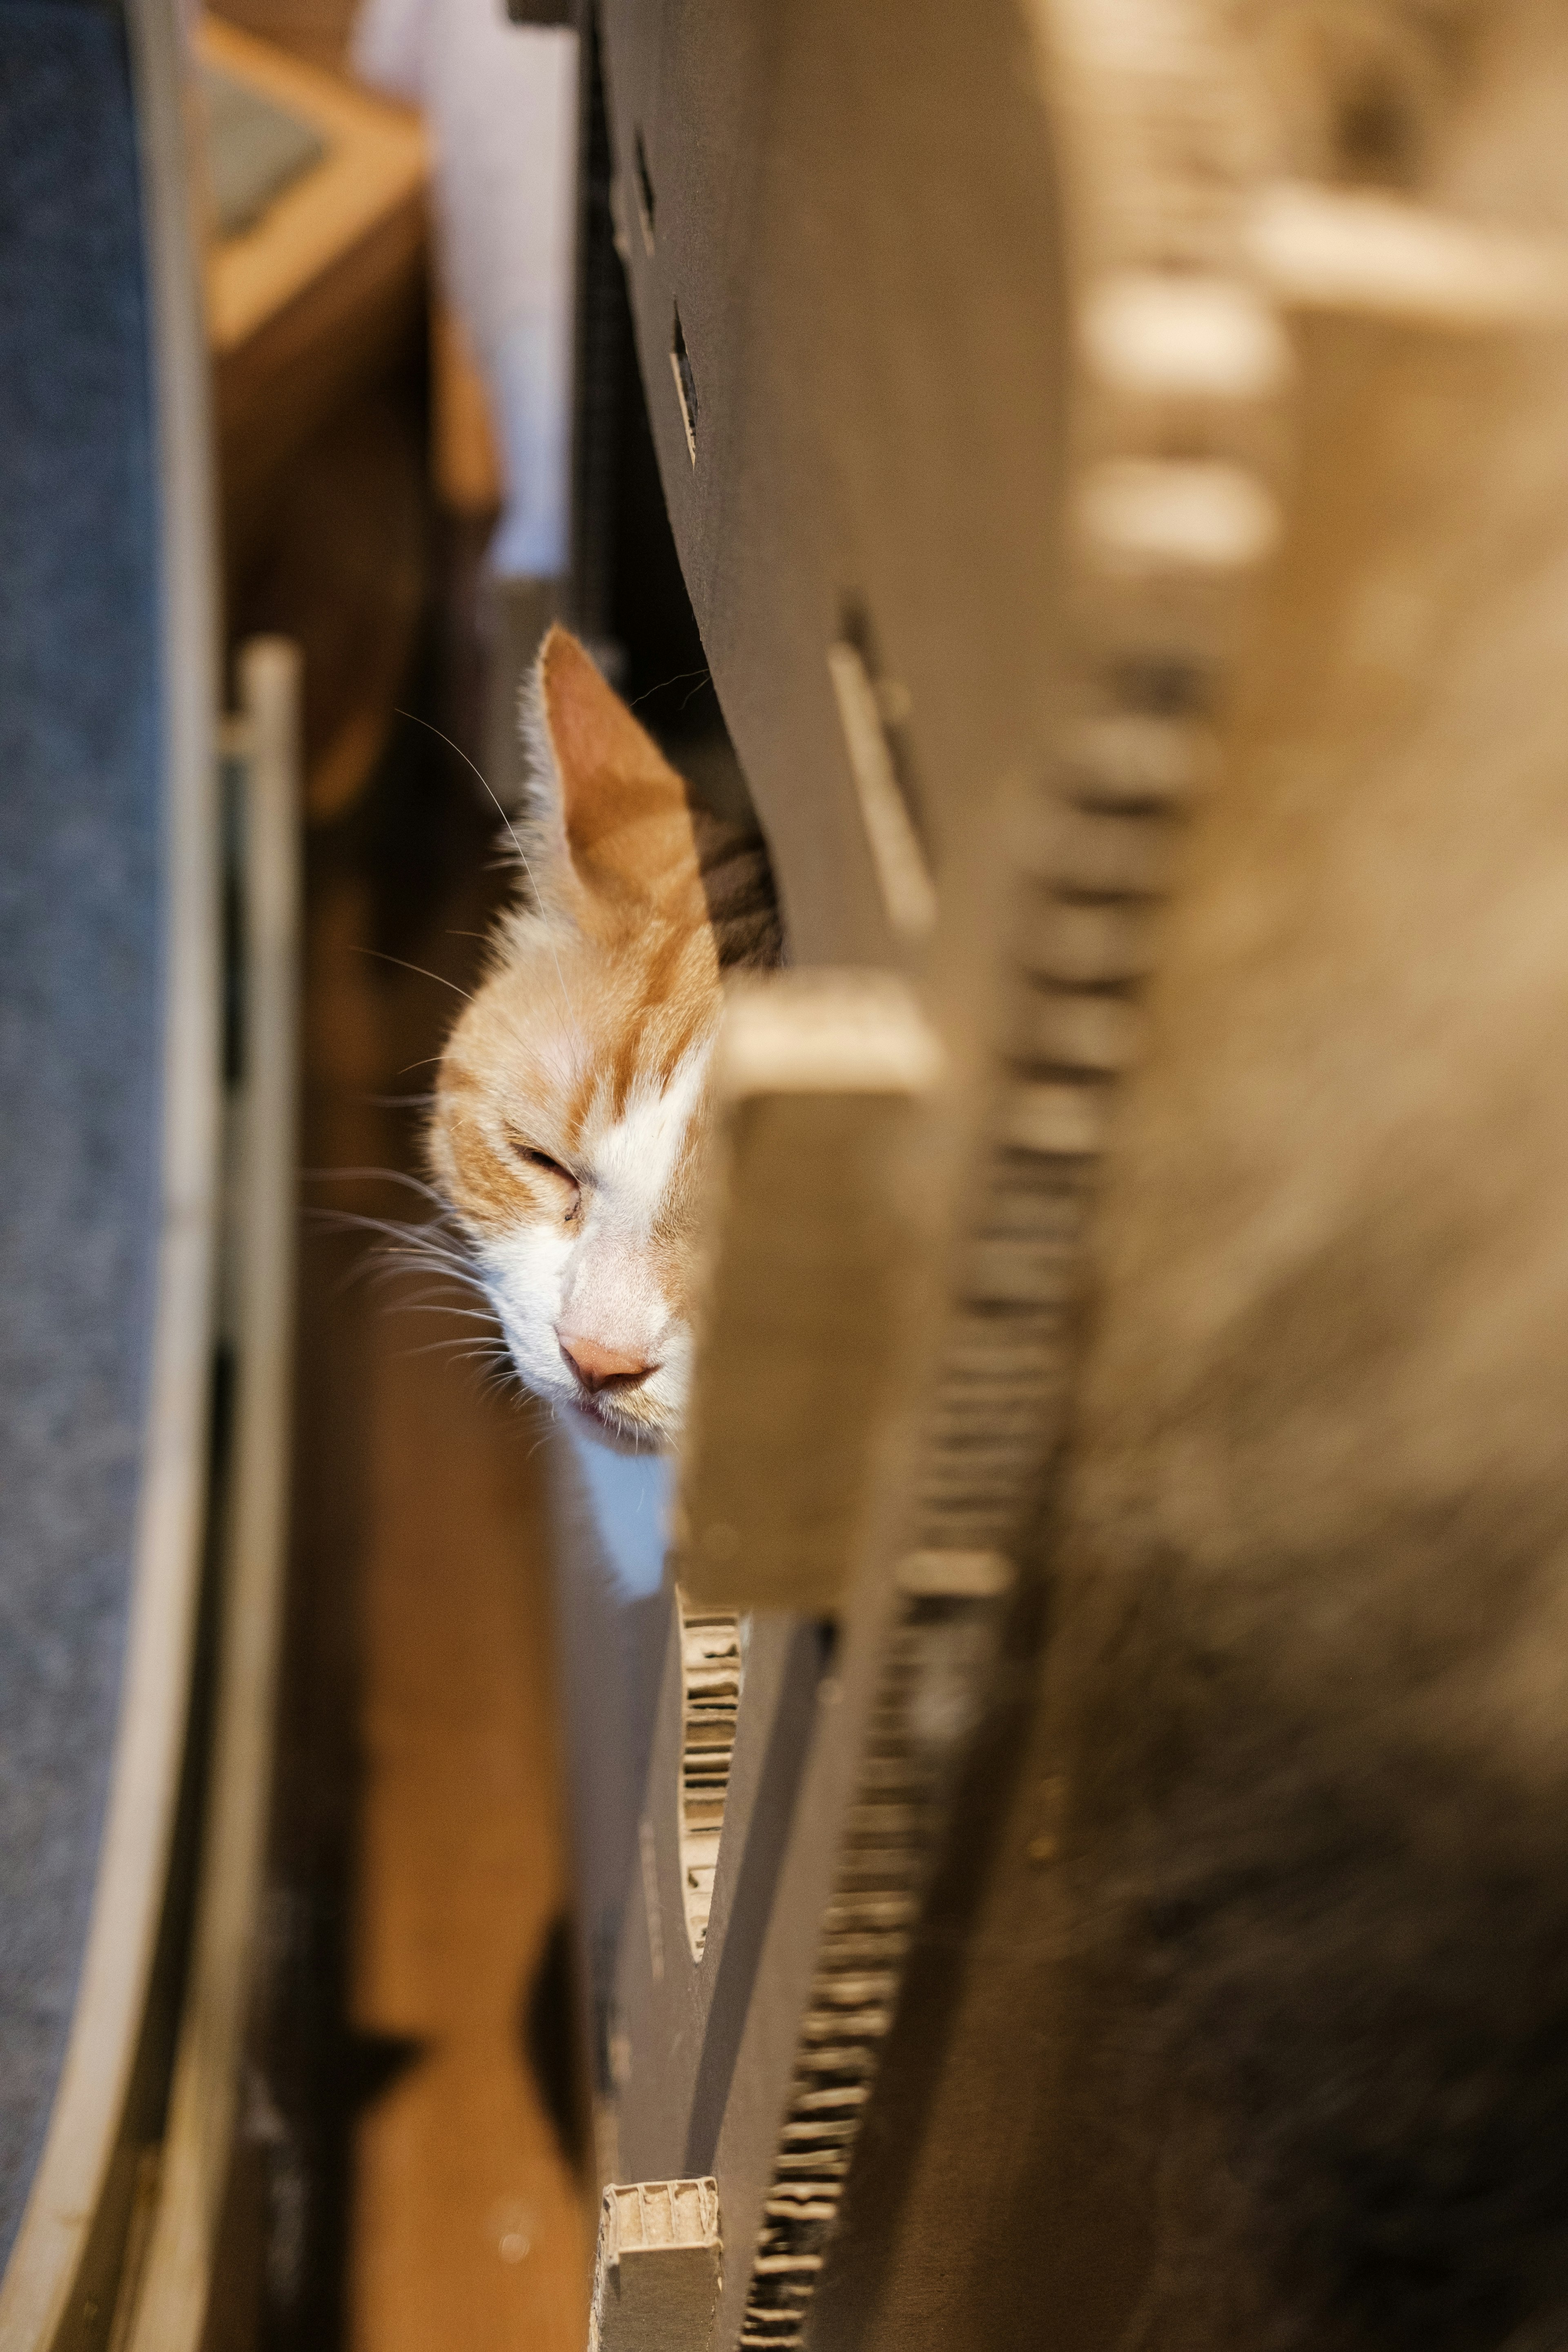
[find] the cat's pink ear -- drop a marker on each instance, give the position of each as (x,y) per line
(621,832)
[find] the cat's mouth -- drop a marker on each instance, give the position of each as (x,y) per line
(626,1435)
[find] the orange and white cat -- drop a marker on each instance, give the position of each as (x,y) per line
(571,1106)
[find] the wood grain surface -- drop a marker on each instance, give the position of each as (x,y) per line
(467,2229)
(421,1788)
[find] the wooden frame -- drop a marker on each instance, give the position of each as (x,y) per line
(166,2297)
(326,287)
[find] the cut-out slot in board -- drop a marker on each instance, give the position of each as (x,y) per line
(685,384)
(710,1669)
(643,184)
(866,707)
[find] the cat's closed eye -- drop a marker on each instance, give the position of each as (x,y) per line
(543,1160)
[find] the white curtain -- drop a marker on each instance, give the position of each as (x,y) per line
(501,104)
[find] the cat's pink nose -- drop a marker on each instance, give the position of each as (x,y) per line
(602,1367)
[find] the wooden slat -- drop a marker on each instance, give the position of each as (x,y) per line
(809,1295)
(172,2306)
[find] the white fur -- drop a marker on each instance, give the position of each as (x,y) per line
(594,1278)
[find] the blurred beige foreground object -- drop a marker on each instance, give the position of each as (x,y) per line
(821,1076)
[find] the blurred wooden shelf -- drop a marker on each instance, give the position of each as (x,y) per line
(319,299)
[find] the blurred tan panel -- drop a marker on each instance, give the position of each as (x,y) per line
(811,1271)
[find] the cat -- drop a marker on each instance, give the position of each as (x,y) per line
(572,1099)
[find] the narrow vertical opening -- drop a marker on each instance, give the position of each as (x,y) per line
(710,1665)
(642,182)
(685,384)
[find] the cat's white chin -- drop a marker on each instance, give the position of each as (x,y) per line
(619,1435)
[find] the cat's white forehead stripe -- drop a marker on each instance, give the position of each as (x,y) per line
(596,1275)
(563,1057)
(633,1160)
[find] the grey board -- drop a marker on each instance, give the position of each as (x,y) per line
(841,238)
(1234,2010)
(80,996)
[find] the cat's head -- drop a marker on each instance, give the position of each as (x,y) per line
(570,1106)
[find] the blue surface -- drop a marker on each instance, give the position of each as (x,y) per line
(613,1622)
(630,1495)
(80,1010)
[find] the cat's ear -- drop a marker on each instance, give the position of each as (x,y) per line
(610,830)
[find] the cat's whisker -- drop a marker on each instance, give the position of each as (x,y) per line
(379,1176)
(442,1233)
(413,1270)
(431,1252)
(441,1264)
(403,965)
(403,1260)
(403,1244)
(457,1289)
(455,1348)
(444,1307)
(680,678)
(483,1337)
(434,1246)
(511,829)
